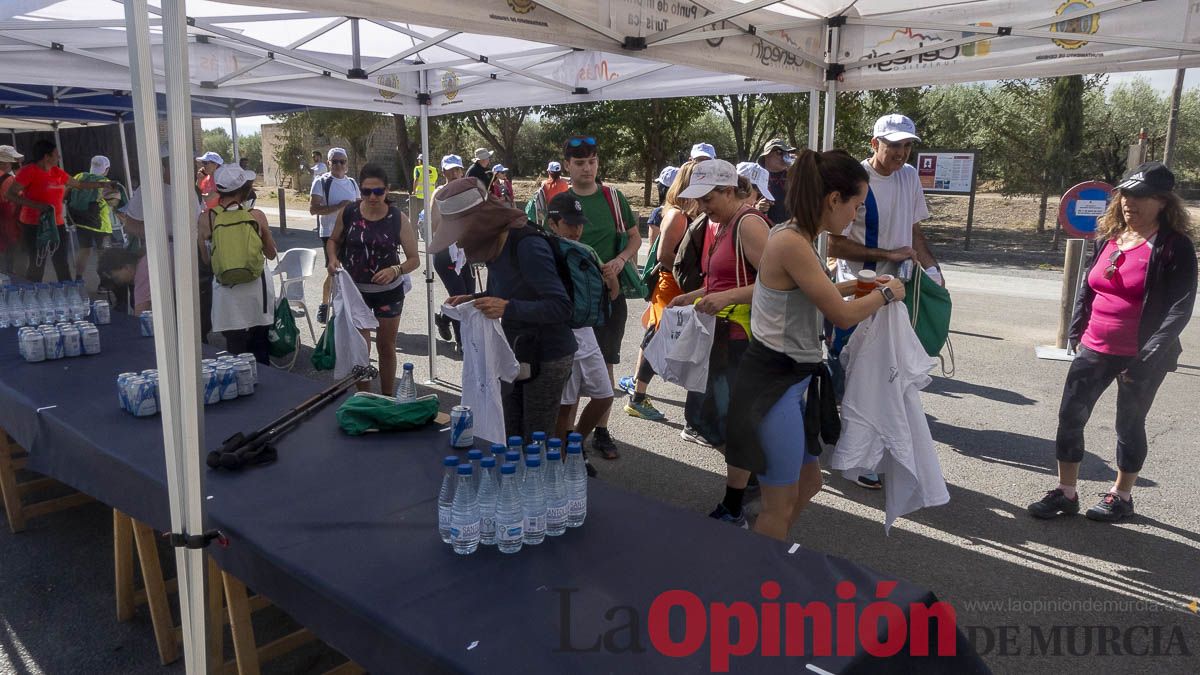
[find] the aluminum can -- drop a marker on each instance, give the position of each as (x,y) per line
(146,323)
(212,386)
(227,382)
(141,395)
(72,341)
(208,363)
(149,372)
(90,336)
(33,346)
(462,423)
(102,312)
(53,342)
(249,358)
(122,379)
(244,376)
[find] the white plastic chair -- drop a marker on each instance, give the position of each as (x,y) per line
(293,267)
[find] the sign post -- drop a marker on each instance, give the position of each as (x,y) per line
(951,172)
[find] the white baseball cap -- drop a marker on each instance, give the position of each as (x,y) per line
(211,157)
(9,154)
(667,175)
(554,166)
(708,175)
(451,161)
(499,168)
(231,177)
(704,150)
(336,152)
(893,128)
(758,175)
(100,165)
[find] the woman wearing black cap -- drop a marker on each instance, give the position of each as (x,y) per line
(1136,300)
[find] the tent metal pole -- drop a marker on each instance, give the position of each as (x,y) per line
(70,231)
(424,121)
(125,151)
(814,120)
(57,143)
(1173,118)
(233,132)
(833,48)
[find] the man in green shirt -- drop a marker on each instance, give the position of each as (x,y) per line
(612,230)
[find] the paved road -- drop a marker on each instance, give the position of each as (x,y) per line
(1022,587)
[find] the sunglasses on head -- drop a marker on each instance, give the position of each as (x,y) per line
(378,192)
(1112,263)
(337,161)
(577,141)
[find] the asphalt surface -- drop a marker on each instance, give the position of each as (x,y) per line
(1062,596)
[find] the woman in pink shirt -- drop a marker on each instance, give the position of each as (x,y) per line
(1134,303)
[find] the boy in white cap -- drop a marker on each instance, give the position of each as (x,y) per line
(10,227)
(330,193)
(93,211)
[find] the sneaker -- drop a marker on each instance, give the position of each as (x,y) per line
(722,514)
(627,384)
(1053,504)
(643,409)
(692,436)
(322,313)
(1110,509)
(603,443)
(869,480)
(443,326)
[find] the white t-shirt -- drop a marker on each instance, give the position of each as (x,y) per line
(134,209)
(340,190)
(884,429)
(885,221)
(487,359)
(319,168)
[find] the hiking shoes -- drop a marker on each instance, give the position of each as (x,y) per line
(722,514)
(603,443)
(1053,504)
(443,326)
(692,436)
(643,409)
(628,385)
(323,313)
(1110,508)
(869,481)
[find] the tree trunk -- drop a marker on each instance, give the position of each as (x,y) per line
(403,152)
(1041,226)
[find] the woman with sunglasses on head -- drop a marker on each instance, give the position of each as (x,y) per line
(1132,306)
(366,242)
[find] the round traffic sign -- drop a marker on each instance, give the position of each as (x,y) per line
(1082,206)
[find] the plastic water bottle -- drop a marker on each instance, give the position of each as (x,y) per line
(4,320)
(475,456)
(576,482)
(446,496)
(464,513)
(574,437)
(533,498)
(406,388)
(33,306)
(516,443)
(45,303)
(534,450)
(514,457)
(80,304)
(539,439)
(59,299)
(487,501)
(510,512)
(498,450)
(556,495)
(555,444)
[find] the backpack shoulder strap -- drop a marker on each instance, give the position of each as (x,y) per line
(326,183)
(614,206)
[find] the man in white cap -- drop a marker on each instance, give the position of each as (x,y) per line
(887,230)
(759,178)
(209,163)
(330,193)
(777,156)
(10,227)
(416,199)
(479,168)
(703,151)
(92,211)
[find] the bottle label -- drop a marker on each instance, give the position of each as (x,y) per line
(535,523)
(556,514)
(443,517)
(510,534)
(576,507)
(487,525)
(466,531)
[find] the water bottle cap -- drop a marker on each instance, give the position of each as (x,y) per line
(532,462)
(489,462)
(574,437)
(464,469)
(475,453)
(533,450)
(513,455)
(508,467)
(539,436)
(516,440)
(554,456)
(450,460)
(574,449)
(554,442)
(408,366)
(498,449)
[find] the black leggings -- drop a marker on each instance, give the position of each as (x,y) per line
(1088,378)
(254,340)
(455,283)
(645,371)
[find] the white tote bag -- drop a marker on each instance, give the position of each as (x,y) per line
(350,315)
(680,348)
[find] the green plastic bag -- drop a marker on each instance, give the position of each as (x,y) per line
(47,234)
(283,334)
(324,356)
(929,308)
(650,271)
(365,412)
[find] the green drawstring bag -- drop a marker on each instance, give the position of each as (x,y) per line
(47,235)
(324,355)
(365,412)
(649,276)
(283,334)
(929,308)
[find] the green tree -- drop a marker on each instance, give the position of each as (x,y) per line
(654,128)
(1064,138)
(500,128)
(354,126)
(218,141)
(251,150)
(788,115)
(747,116)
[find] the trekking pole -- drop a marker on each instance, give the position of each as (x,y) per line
(258,447)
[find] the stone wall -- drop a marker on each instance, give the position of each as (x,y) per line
(381,149)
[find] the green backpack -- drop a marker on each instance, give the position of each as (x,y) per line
(237,248)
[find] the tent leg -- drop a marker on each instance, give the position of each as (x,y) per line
(70,234)
(830,116)
(125,152)
(233,133)
(428,232)
(814,120)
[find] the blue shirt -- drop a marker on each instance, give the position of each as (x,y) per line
(537,300)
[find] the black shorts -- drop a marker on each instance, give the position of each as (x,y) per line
(612,333)
(89,238)
(325,251)
(385,304)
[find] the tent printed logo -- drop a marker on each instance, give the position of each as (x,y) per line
(1084,25)
(522,6)
(390,80)
(450,84)
(904,39)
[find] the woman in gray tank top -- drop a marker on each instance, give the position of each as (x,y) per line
(769,432)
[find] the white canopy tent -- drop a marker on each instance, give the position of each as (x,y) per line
(474,54)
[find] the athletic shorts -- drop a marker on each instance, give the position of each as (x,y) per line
(324,251)
(89,238)
(386,304)
(781,435)
(612,333)
(589,379)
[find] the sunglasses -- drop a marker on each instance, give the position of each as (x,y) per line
(337,161)
(904,145)
(1112,263)
(378,192)
(577,141)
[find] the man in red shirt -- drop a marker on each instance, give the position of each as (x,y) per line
(39,188)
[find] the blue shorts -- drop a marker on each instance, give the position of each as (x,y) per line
(781,435)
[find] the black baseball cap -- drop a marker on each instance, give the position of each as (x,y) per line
(564,205)
(1149,179)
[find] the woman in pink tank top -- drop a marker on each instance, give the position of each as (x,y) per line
(1135,301)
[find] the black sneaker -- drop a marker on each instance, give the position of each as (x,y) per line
(603,443)
(443,326)
(322,313)
(591,470)
(692,436)
(1053,504)
(1110,509)
(869,481)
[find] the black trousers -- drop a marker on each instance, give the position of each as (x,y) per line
(36,271)
(1090,375)
(255,340)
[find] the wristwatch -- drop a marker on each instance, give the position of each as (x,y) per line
(888,296)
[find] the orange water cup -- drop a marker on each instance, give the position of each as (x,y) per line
(866,283)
